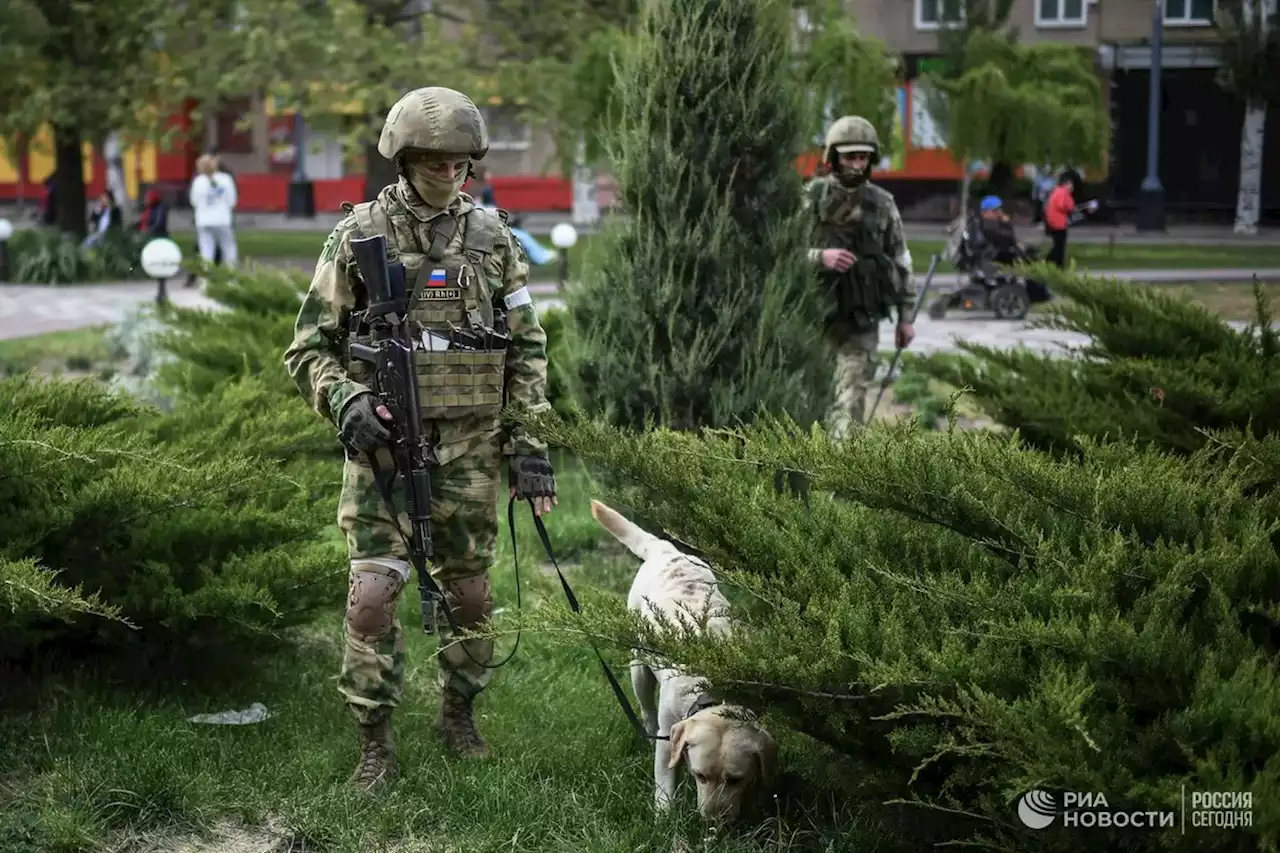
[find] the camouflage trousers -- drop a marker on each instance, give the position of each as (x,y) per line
(855,358)
(464,525)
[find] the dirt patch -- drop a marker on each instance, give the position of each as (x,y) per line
(224,837)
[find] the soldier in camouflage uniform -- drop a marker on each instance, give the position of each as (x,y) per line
(466,270)
(863,259)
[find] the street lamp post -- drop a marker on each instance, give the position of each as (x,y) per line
(1151,212)
(6,231)
(563,236)
(161,260)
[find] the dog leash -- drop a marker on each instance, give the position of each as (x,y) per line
(618,692)
(384,488)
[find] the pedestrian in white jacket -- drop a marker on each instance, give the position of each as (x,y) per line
(213,198)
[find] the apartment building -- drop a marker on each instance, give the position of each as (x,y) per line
(1200,123)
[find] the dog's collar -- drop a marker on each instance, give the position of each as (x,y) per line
(702,702)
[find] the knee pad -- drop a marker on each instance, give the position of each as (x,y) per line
(371,599)
(470,599)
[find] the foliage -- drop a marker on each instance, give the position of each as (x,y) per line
(246,335)
(1250,51)
(554,324)
(227,363)
(311,56)
(1013,103)
(1006,620)
(30,595)
(845,72)
(700,308)
(50,256)
(191,540)
(980,16)
(1160,369)
(85,65)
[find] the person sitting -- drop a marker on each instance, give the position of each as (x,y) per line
(154,218)
(104,216)
(998,231)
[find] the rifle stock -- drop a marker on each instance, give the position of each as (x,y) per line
(395,384)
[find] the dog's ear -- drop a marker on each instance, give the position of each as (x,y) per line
(766,758)
(679,734)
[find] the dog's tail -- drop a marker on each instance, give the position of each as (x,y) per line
(636,539)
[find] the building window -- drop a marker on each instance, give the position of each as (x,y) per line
(508,129)
(1060,13)
(1197,13)
(932,14)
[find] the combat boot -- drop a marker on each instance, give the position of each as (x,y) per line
(377,763)
(457,726)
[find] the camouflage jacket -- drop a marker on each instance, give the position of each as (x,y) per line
(316,360)
(836,208)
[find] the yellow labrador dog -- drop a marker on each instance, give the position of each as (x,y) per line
(728,754)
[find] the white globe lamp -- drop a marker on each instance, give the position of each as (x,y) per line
(161,260)
(564,235)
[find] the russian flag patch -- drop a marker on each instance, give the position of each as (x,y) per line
(437,279)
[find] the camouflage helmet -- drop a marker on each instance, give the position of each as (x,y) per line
(851,134)
(434,120)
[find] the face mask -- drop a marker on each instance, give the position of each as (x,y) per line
(435,189)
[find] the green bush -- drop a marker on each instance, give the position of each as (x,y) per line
(1160,369)
(184,524)
(700,307)
(49,256)
(555,324)
(30,596)
(969,618)
(246,336)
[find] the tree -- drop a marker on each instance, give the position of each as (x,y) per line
(554,59)
(845,72)
(95,69)
(1160,370)
(86,69)
(339,64)
(1251,71)
(1015,104)
(969,618)
(700,306)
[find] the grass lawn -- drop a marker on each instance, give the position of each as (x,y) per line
(1233,301)
(1123,256)
(75,351)
(101,757)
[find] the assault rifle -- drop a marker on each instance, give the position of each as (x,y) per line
(395,384)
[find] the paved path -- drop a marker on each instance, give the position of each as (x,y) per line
(32,310)
(541,222)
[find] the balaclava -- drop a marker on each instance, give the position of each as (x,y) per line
(435,190)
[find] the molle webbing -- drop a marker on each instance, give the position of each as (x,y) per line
(457,383)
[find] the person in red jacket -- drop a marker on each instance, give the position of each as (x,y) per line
(1059,211)
(1057,218)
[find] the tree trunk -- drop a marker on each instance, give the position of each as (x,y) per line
(68,166)
(1249,201)
(1000,180)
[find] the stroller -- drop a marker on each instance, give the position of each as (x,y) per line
(990,287)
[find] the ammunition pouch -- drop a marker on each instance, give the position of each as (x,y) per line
(458,383)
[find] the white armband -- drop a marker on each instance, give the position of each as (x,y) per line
(520,297)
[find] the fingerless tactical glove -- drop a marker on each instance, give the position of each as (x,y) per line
(532,477)
(360,427)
